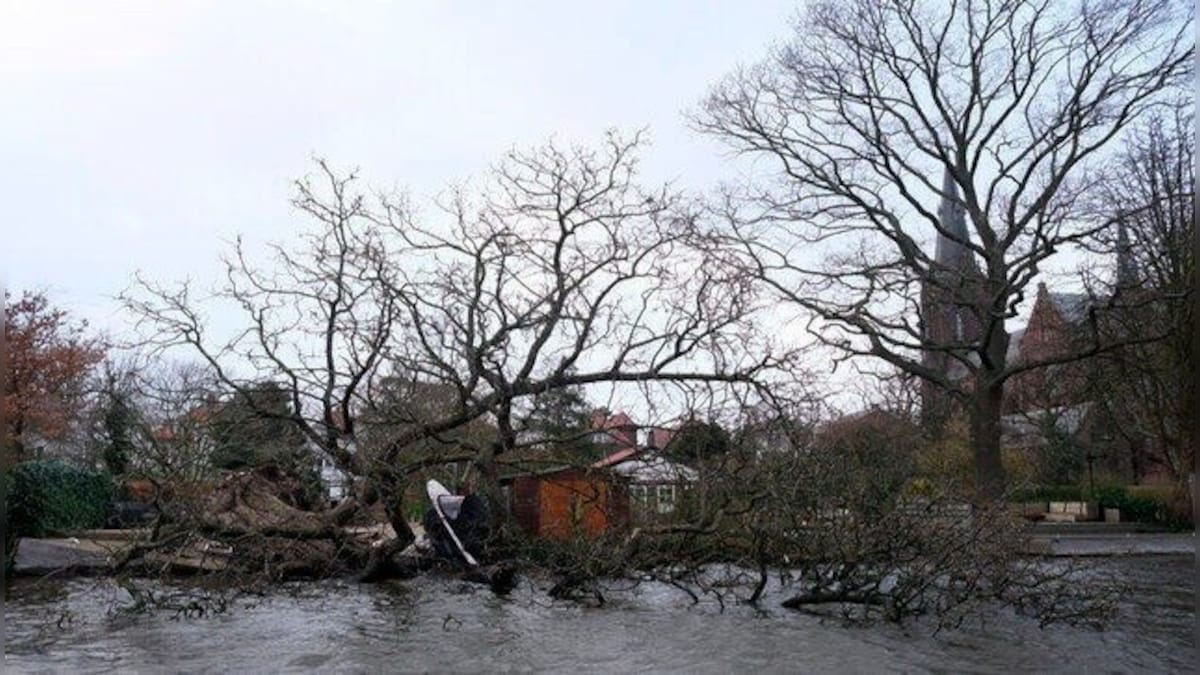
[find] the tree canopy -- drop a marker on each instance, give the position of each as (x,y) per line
(980,125)
(697,443)
(50,358)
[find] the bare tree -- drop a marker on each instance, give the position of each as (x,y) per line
(559,271)
(1148,194)
(877,111)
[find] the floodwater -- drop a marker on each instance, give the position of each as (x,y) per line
(436,625)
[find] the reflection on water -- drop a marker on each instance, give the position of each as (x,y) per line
(437,625)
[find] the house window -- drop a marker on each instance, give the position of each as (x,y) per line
(666,498)
(641,496)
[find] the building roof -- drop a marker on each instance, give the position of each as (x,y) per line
(622,455)
(602,421)
(655,469)
(1014,345)
(660,437)
(624,433)
(643,465)
(1072,307)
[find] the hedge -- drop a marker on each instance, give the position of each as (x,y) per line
(1049,493)
(46,496)
(1142,504)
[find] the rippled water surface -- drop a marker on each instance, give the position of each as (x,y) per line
(432,624)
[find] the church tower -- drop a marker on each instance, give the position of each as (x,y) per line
(1127,271)
(948,319)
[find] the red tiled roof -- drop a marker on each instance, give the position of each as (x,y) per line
(604,422)
(660,437)
(616,458)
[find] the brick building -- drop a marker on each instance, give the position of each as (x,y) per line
(1059,397)
(1068,400)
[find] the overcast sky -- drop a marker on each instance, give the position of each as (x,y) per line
(144,135)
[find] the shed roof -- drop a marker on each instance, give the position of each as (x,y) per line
(655,469)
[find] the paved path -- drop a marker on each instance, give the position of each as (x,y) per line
(1090,544)
(45,556)
(91,550)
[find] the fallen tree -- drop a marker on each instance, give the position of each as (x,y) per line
(561,271)
(826,522)
(835,520)
(404,346)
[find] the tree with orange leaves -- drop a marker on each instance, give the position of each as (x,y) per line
(49,359)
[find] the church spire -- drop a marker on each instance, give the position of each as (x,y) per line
(1127,272)
(951,241)
(950,302)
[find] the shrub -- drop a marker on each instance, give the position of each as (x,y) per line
(47,496)
(1110,496)
(920,487)
(1019,466)
(947,462)
(1142,509)
(1048,493)
(865,460)
(1171,503)
(1142,503)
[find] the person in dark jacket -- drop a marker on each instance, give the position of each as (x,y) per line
(469,516)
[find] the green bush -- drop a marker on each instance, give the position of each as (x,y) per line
(1138,503)
(1142,510)
(1110,496)
(1171,504)
(46,496)
(1048,493)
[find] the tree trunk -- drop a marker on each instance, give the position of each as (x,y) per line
(383,561)
(489,470)
(493,493)
(391,490)
(985,438)
(1136,463)
(16,442)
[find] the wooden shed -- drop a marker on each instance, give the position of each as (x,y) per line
(570,502)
